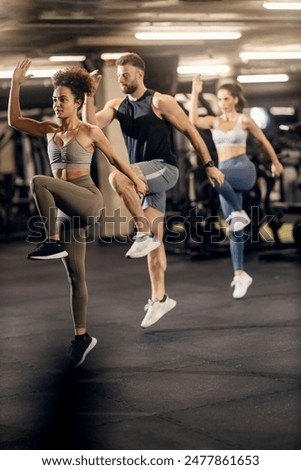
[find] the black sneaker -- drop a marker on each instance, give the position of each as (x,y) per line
(79,349)
(50,249)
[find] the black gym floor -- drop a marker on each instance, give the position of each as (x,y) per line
(214,373)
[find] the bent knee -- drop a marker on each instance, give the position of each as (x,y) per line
(37,181)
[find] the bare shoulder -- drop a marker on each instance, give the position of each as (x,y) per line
(86,127)
(89,130)
(48,127)
(160,99)
(165,104)
(251,126)
(113,103)
(92,134)
(247,121)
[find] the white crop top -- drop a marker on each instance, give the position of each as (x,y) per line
(236,137)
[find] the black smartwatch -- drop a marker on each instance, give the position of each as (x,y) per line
(209,164)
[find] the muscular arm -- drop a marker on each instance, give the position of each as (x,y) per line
(101,142)
(103,117)
(100,118)
(167,107)
(15,118)
(17,121)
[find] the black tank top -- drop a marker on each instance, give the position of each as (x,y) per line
(146,136)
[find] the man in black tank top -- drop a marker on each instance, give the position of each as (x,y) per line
(146,118)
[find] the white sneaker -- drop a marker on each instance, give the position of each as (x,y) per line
(156,310)
(142,245)
(238,220)
(241,284)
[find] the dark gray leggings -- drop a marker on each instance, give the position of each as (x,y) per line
(70,207)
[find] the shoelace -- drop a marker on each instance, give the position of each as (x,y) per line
(149,303)
(47,242)
(40,246)
(237,281)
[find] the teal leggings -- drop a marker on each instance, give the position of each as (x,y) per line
(69,208)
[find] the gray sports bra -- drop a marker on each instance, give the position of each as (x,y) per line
(236,137)
(70,156)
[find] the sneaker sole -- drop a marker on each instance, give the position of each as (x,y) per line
(143,253)
(150,324)
(63,254)
(89,348)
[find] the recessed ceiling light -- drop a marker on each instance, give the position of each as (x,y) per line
(263,78)
(111,55)
(282,5)
(283,110)
(187,35)
(67,58)
(270,55)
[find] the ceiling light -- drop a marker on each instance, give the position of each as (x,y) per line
(187,36)
(67,58)
(203,69)
(37,73)
(111,55)
(263,78)
(270,55)
(283,110)
(282,5)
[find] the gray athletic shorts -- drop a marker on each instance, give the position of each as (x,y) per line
(160,177)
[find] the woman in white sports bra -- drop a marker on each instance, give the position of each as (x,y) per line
(69,201)
(229,133)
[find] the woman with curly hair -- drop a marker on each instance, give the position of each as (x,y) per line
(229,133)
(68,202)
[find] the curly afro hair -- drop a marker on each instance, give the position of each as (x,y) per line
(77,79)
